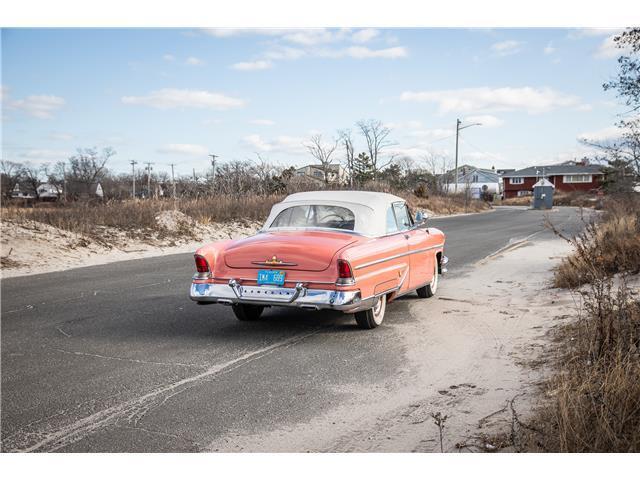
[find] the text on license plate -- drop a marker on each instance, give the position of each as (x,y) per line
(270,277)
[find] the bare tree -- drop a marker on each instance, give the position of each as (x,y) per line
(87,166)
(32,175)
(376,135)
(438,165)
(322,152)
(345,138)
(10,172)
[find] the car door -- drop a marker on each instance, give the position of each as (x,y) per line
(421,258)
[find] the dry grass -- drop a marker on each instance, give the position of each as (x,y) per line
(137,218)
(566,199)
(593,399)
(576,199)
(446,205)
(606,248)
(517,201)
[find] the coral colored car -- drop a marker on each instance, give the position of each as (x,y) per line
(337,250)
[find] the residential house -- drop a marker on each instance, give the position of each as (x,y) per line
(336,174)
(48,192)
(474,180)
(23,191)
(566,177)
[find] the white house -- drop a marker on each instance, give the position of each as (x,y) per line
(336,173)
(473,179)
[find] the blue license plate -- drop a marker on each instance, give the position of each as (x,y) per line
(271,277)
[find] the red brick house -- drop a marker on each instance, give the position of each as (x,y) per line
(566,177)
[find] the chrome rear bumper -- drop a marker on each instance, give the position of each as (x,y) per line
(300,296)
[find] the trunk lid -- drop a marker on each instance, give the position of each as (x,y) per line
(293,250)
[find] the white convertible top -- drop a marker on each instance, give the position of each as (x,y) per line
(369,208)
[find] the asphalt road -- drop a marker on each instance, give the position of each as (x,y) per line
(117,358)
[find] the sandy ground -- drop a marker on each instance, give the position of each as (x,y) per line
(34,247)
(470,351)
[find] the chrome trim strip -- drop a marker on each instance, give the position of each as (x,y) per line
(398,255)
(246,279)
(279,264)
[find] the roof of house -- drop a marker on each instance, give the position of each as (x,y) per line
(465,172)
(331,166)
(561,169)
(544,183)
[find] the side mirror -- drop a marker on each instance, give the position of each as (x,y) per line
(421,218)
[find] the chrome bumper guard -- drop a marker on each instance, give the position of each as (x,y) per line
(443,264)
(300,296)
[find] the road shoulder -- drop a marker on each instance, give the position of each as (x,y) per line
(469,352)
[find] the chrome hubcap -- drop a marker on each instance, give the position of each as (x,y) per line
(377,307)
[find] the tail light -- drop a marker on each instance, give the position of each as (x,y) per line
(345,273)
(202,266)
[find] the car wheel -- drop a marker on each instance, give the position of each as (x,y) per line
(247,313)
(373,317)
(429,290)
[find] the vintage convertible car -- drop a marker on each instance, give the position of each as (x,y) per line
(339,250)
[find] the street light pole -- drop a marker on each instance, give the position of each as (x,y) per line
(133,176)
(458,128)
(173,182)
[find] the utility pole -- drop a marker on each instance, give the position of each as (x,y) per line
(173,182)
(213,170)
(213,164)
(133,176)
(149,178)
(455,188)
(64,181)
(458,128)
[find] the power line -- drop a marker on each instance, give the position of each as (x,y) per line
(479,150)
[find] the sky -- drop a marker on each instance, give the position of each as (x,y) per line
(176,95)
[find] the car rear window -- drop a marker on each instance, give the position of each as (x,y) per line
(319,216)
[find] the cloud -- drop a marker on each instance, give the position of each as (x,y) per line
(293,44)
(432,133)
(252,66)
(592,32)
(39,106)
(365,35)
(365,52)
(168,98)
(281,144)
(549,49)
(235,32)
(607,133)
(486,99)
(184,149)
(61,136)
(486,120)
(45,155)
(262,121)
(507,47)
(194,61)
(609,49)
(167,57)
(285,53)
